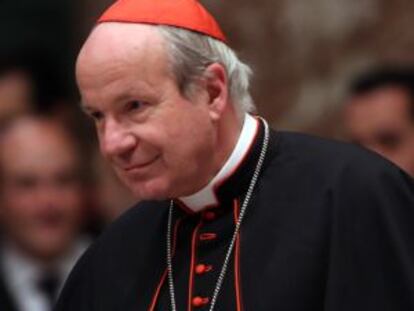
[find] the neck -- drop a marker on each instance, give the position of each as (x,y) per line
(228,133)
(206,197)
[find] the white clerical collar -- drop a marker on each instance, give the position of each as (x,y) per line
(206,196)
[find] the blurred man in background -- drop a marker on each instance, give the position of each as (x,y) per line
(40,212)
(379,114)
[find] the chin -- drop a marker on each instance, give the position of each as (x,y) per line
(48,251)
(151,190)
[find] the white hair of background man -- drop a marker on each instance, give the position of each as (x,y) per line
(191,53)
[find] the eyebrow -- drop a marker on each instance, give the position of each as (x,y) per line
(118,99)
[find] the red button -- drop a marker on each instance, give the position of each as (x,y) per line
(209,215)
(208,236)
(201,268)
(200,301)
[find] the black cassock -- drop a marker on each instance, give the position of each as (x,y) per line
(329,227)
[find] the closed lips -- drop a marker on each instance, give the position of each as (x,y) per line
(141,165)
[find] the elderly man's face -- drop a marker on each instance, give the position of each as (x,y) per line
(381,121)
(159,142)
(40,192)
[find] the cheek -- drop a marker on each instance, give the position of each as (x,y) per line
(70,198)
(66,200)
(18,204)
(17,213)
(190,148)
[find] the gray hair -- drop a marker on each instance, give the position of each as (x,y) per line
(191,53)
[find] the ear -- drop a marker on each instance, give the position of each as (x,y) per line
(216,84)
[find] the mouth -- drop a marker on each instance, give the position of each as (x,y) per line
(140,166)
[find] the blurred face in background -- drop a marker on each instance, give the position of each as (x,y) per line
(40,189)
(381,120)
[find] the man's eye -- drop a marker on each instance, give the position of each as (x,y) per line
(96,115)
(134,105)
(389,140)
(26,182)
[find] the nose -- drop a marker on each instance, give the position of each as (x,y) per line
(116,139)
(47,195)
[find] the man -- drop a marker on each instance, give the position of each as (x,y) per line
(237,217)
(379,114)
(40,206)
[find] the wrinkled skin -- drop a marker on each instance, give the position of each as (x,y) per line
(161,143)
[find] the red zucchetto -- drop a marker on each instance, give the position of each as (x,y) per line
(187,14)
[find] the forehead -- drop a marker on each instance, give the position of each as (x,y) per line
(115,51)
(382,106)
(109,41)
(36,147)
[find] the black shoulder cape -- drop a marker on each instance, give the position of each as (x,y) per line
(330,227)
